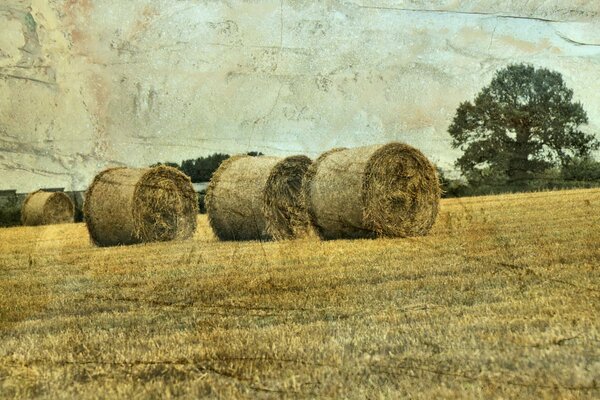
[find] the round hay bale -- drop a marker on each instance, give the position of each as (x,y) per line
(389,190)
(45,208)
(258,198)
(137,205)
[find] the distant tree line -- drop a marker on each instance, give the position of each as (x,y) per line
(201,169)
(10,212)
(577,173)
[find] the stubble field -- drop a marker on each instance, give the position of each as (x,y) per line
(501,300)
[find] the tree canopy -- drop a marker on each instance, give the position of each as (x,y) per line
(524,122)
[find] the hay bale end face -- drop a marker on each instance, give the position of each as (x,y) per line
(258,198)
(128,206)
(387,190)
(45,208)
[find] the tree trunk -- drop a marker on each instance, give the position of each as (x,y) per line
(518,165)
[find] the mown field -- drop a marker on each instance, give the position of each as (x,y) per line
(501,300)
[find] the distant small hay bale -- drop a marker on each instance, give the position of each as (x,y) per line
(128,206)
(258,198)
(389,190)
(45,208)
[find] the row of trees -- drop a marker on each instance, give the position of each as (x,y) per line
(201,169)
(577,173)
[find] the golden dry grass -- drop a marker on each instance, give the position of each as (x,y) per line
(501,300)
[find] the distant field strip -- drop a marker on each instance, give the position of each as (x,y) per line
(502,299)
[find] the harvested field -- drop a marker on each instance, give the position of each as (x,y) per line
(502,299)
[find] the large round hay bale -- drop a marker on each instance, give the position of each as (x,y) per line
(136,205)
(44,208)
(389,190)
(258,198)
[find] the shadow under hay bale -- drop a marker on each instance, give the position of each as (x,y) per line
(45,208)
(258,198)
(389,190)
(128,206)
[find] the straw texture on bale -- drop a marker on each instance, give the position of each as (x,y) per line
(44,208)
(128,205)
(283,207)
(258,198)
(389,190)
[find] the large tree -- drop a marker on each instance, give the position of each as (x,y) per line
(522,123)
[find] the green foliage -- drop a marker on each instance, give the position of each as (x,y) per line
(579,173)
(202,168)
(201,202)
(521,124)
(584,169)
(78,203)
(168,164)
(199,169)
(10,216)
(10,213)
(487,178)
(452,187)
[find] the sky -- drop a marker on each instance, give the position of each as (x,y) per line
(85,86)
